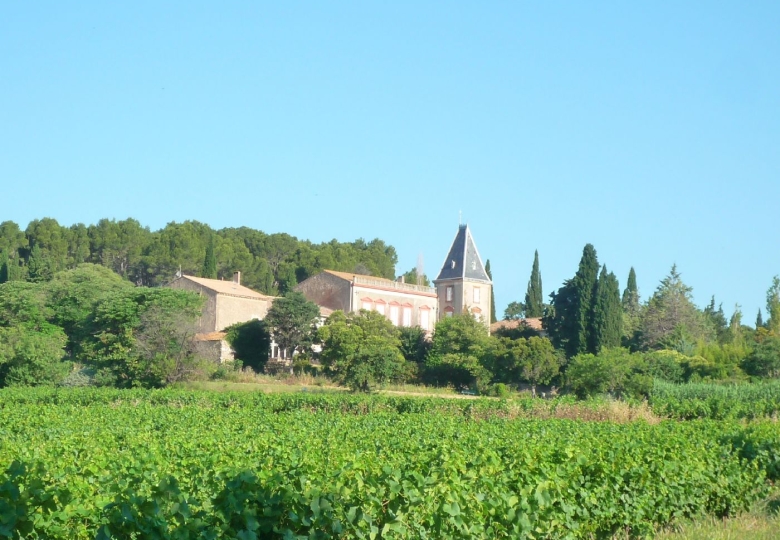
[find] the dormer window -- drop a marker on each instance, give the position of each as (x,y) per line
(452,263)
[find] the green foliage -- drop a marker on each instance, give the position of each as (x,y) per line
(461,353)
(32,356)
(764,360)
(717,320)
(412,277)
(666,365)
(210,262)
(514,311)
(613,371)
(533,360)
(607,320)
(773,305)
(292,322)
(759,320)
(251,342)
(414,343)
(717,401)
(534,297)
(167,464)
(120,317)
(361,350)
(671,314)
(489,272)
(569,321)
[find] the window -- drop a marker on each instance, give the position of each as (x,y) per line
(367,305)
(476,295)
(394,315)
(477,314)
(407,320)
(449,293)
(424,318)
(380,308)
(448,311)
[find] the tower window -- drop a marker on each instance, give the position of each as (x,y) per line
(476,295)
(449,293)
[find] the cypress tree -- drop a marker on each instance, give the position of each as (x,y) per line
(631,293)
(210,262)
(492,294)
(4,268)
(607,321)
(584,284)
(534,303)
(759,320)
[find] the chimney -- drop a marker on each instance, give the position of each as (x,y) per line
(401,279)
(237,277)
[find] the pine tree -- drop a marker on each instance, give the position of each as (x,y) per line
(210,262)
(38,265)
(607,321)
(534,302)
(492,294)
(759,320)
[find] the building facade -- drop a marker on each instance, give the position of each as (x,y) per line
(404,304)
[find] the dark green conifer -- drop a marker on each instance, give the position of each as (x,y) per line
(210,261)
(492,294)
(759,320)
(38,265)
(534,303)
(607,320)
(584,283)
(631,293)
(4,267)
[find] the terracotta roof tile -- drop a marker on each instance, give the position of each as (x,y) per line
(534,323)
(227,287)
(210,336)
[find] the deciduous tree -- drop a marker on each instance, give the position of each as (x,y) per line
(292,322)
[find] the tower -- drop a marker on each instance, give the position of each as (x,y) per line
(463,286)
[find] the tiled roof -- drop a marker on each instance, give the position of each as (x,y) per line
(534,323)
(210,336)
(227,287)
(350,276)
(463,260)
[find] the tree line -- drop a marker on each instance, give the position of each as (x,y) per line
(270,263)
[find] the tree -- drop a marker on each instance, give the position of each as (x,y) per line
(165,348)
(292,321)
(613,371)
(361,350)
(39,265)
(632,311)
(514,311)
(533,360)
(32,356)
(671,315)
(72,296)
(461,353)
(764,361)
(492,294)
(534,301)
(3,267)
(210,262)
(569,319)
(759,320)
(716,319)
(117,320)
(607,313)
(773,305)
(415,279)
(250,342)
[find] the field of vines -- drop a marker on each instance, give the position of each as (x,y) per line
(176,464)
(716,401)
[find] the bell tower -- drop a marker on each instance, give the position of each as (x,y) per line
(463,286)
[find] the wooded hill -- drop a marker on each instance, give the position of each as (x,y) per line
(270,263)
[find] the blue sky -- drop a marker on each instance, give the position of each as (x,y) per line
(649,129)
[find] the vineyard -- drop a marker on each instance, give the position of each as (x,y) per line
(174,464)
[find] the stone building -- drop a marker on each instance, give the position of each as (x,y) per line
(463,285)
(405,304)
(227,303)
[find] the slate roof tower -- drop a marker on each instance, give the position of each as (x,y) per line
(463,286)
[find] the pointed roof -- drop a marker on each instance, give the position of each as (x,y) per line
(463,260)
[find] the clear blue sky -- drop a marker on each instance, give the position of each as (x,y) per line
(649,129)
